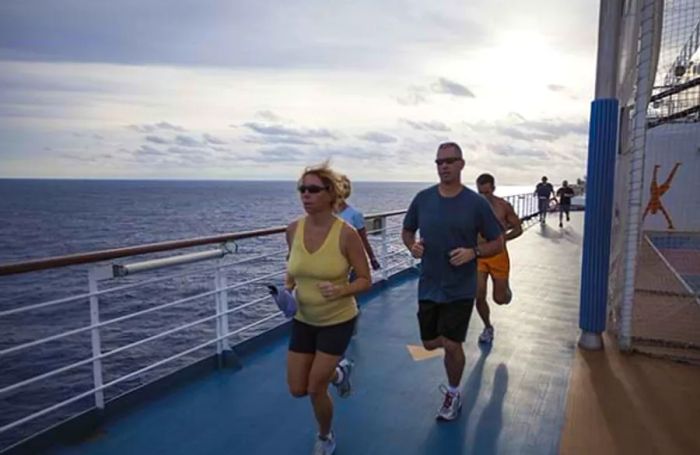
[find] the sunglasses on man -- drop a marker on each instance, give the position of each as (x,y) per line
(451,160)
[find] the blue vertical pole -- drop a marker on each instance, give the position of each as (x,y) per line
(602,147)
(600,180)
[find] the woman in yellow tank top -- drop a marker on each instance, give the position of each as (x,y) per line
(322,249)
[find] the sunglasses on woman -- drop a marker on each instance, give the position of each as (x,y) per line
(313,189)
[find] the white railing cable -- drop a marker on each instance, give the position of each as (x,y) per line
(130,316)
(132,285)
(126,347)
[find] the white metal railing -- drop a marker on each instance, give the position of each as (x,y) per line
(392,257)
(390,249)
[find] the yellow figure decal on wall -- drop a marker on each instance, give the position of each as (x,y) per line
(656,192)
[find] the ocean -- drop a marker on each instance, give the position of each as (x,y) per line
(42,218)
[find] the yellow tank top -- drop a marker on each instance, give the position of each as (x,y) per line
(309,269)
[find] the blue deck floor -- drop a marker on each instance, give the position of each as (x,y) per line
(514,394)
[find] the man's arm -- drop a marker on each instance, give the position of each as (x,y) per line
(491,230)
(512,220)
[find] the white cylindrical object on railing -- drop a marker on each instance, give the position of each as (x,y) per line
(636,181)
(138,267)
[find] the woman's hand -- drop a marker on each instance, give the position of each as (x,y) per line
(329,290)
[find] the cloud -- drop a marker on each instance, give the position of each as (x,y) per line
(269,116)
(209,139)
(148,151)
(190,155)
(415,96)
(427,126)
(169,126)
(451,88)
(279,130)
(282,153)
(187,141)
(378,138)
(149,128)
(256,34)
(293,140)
(354,153)
(157,139)
(510,151)
(518,128)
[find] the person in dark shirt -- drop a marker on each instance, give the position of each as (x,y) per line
(544,191)
(565,193)
(450,217)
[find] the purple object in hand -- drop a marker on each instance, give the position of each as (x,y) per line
(284,299)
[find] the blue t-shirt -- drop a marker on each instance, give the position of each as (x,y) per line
(353,217)
(446,223)
(544,190)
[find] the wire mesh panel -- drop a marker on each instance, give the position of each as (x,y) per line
(676,96)
(667,304)
(653,300)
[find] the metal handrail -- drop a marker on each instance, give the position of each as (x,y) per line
(136,343)
(115,253)
(132,285)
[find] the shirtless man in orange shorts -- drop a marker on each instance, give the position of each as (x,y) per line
(497,266)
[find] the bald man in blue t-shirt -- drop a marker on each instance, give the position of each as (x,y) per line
(449,217)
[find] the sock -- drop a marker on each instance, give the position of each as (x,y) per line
(453,390)
(339,375)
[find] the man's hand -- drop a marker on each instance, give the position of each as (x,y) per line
(417,249)
(461,256)
(329,290)
(375,264)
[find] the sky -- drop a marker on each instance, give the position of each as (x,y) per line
(256,89)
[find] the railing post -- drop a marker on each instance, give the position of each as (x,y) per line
(223,304)
(385,259)
(93,277)
(217,303)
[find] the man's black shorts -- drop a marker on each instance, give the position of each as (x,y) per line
(329,339)
(450,320)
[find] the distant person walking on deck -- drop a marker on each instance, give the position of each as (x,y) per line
(498,266)
(449,217)
(322,249)
(543,191)
(565,193)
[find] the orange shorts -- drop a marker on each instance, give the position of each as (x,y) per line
(497,266)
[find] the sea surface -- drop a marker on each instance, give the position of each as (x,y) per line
(43,218)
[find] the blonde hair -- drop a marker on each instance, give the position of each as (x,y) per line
(330,178)
(345,187)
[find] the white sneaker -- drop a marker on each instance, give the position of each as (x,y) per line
(325,446)
(486,336)
(451,405)
(344,387)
